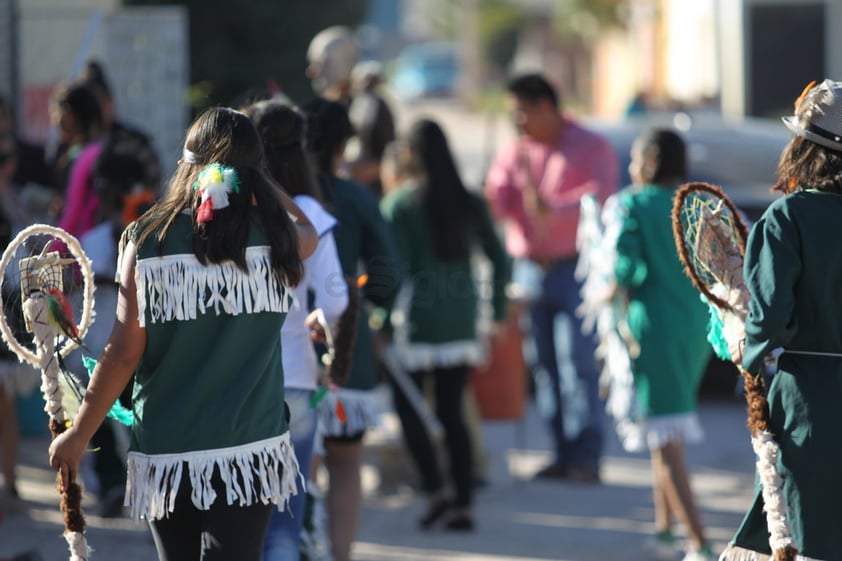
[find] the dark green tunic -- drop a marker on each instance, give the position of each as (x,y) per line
(793,269)
(217,361)
(209,389)
(364,244)
(442,315)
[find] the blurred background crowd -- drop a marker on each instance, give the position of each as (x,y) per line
(96,96)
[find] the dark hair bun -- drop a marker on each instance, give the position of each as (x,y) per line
(280,125)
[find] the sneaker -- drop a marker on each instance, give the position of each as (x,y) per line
(314,540)
(704,554)
(661,546)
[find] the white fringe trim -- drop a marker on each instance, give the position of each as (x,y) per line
(656,432)
(771,483)
(426,356)
(267,469)
(362,411)
(178,287)
(734,553)
(78,545)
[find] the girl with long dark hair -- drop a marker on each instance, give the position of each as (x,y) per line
(437,224)
(282,129)
(364,243)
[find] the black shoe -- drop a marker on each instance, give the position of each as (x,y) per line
(434,513)
(588,475)
(552,472)
(28,556)
(461,523)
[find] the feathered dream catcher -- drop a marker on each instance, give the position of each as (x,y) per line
(56,286)
(710,237)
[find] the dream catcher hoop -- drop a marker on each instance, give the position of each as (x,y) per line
(710,237)
(43,273)
(59,263)
(711,240)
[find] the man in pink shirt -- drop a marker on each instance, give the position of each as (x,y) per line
(535,185)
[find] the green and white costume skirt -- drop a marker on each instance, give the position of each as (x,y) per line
(348,412)
(656,432)
(264,471)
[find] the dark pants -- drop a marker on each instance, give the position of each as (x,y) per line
(579,446)
(221,533)
(449,388)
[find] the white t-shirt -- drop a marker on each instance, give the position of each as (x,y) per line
(323,275)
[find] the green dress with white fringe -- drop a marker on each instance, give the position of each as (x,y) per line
(436,314)
(364,245)
(793,269)
(667,319)
(208,394)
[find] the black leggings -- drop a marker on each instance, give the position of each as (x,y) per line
(221,533)
(449,389)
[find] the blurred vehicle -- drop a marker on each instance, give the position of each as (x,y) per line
(429,69)
(741,157)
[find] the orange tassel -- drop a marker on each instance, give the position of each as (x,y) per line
(340,412)
(362,280)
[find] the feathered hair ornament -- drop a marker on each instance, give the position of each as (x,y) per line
(214,184)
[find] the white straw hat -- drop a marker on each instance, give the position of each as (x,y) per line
(818,114)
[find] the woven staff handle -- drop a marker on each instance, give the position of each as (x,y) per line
(46,355)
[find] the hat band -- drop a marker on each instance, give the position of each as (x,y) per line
(824,133)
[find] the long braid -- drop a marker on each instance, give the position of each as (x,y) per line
(345,336)
(756,403)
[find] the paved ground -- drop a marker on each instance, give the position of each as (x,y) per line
(518,520)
